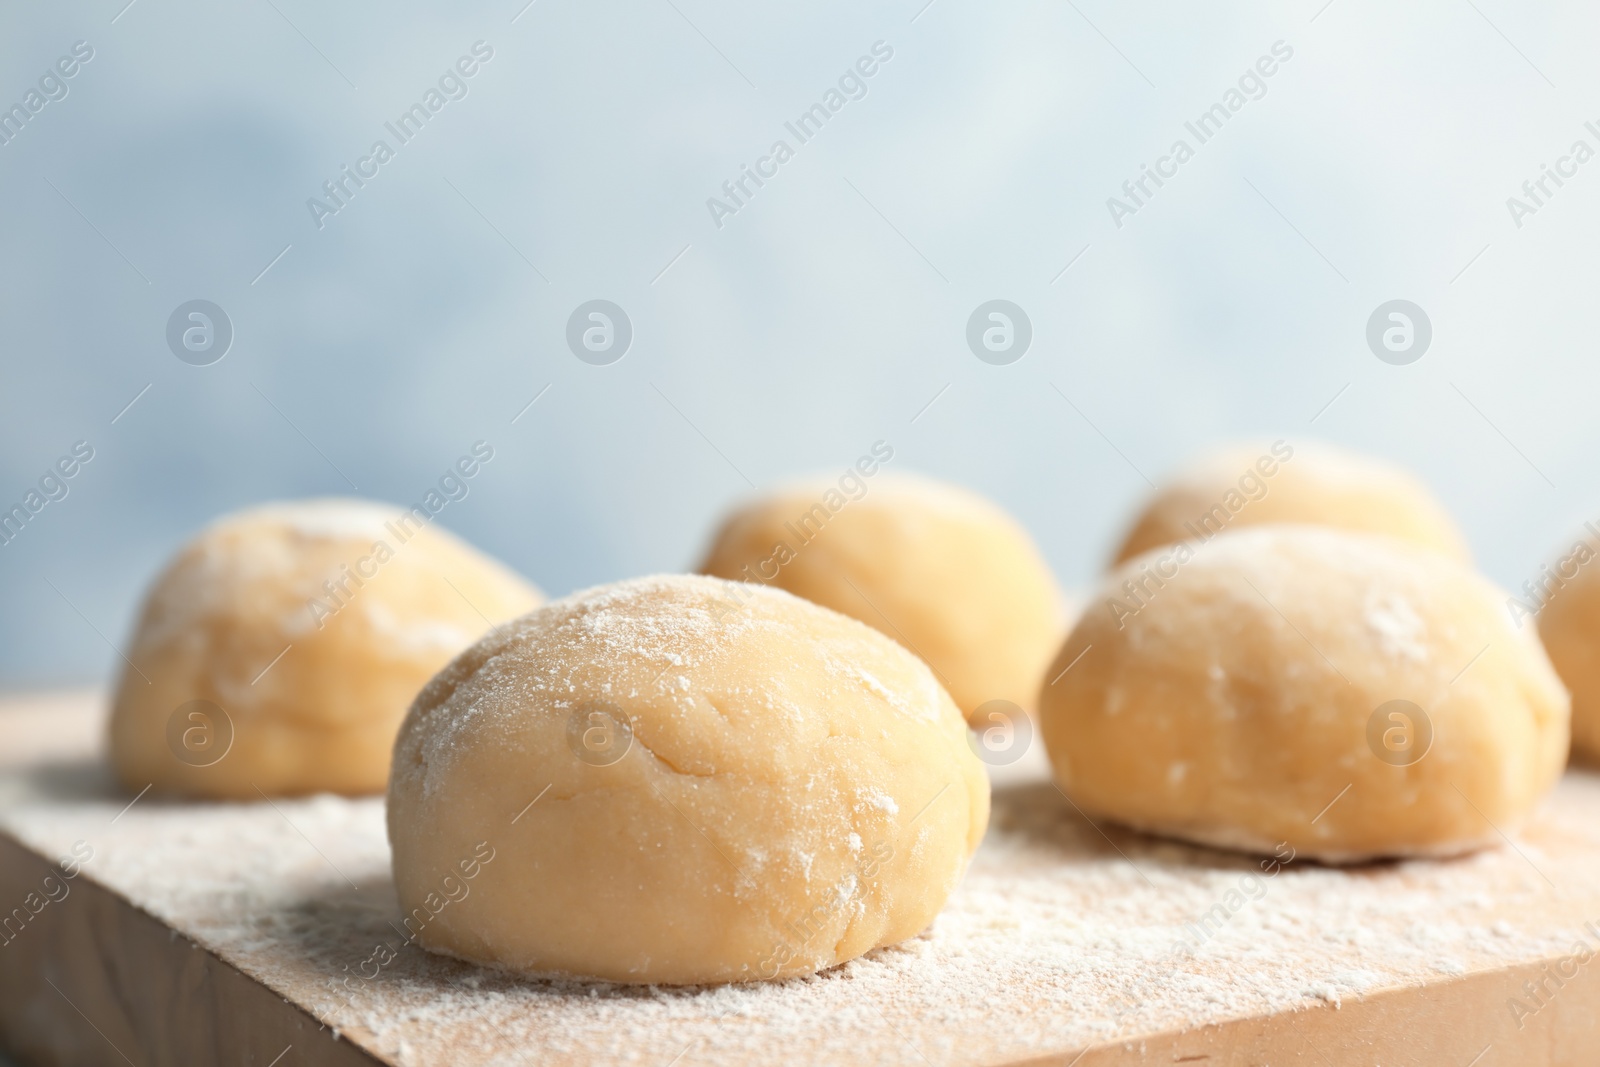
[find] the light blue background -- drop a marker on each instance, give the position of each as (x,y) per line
(814,322)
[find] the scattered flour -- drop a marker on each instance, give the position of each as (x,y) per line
(1400,630)
(1058,937)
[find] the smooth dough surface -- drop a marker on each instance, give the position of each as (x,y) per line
(1281,481)
(313,679)
(937,568)
(1233,703)
(797,790)
(1569,623)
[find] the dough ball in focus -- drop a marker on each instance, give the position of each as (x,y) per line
(281,647)
(1251,485)
(1232,691)
(937,568)
(1569,623)
(668,793)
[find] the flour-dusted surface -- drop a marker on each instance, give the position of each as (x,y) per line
(1058,938)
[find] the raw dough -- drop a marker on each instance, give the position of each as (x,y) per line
(369,601)
(1569,623)
(628,785)
(1235,694)
(939,569)
(1247,485)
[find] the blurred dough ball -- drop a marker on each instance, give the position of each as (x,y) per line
(1569,623)
(938,568)
(668,794)
(1250,485)
(360,594)
(1201,712)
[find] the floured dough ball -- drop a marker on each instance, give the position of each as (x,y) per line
(629,785)
(1347,694)
(280,648)
(1281,482)
(1569,623)
(939,569)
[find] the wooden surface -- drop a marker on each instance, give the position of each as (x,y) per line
(221,933)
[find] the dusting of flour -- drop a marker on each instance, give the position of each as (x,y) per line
(1058,937)
(1052,942)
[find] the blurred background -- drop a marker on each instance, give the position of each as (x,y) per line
(372,345)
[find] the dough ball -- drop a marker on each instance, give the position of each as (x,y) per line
(631,785)
(939,569)
(1230,693)
(1569,622)
(1251,485)
(281,647)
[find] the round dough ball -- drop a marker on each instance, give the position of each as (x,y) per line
(1240,694)
(279,650)
(939,569)
(631,785)
(1251,485)
(1569,623)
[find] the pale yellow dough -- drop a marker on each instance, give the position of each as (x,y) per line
(1231,704)
(797,790)
(1286,481)
(936,567)
(313,683)
(1569,623)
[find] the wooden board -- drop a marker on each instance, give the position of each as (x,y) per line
(247,934)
